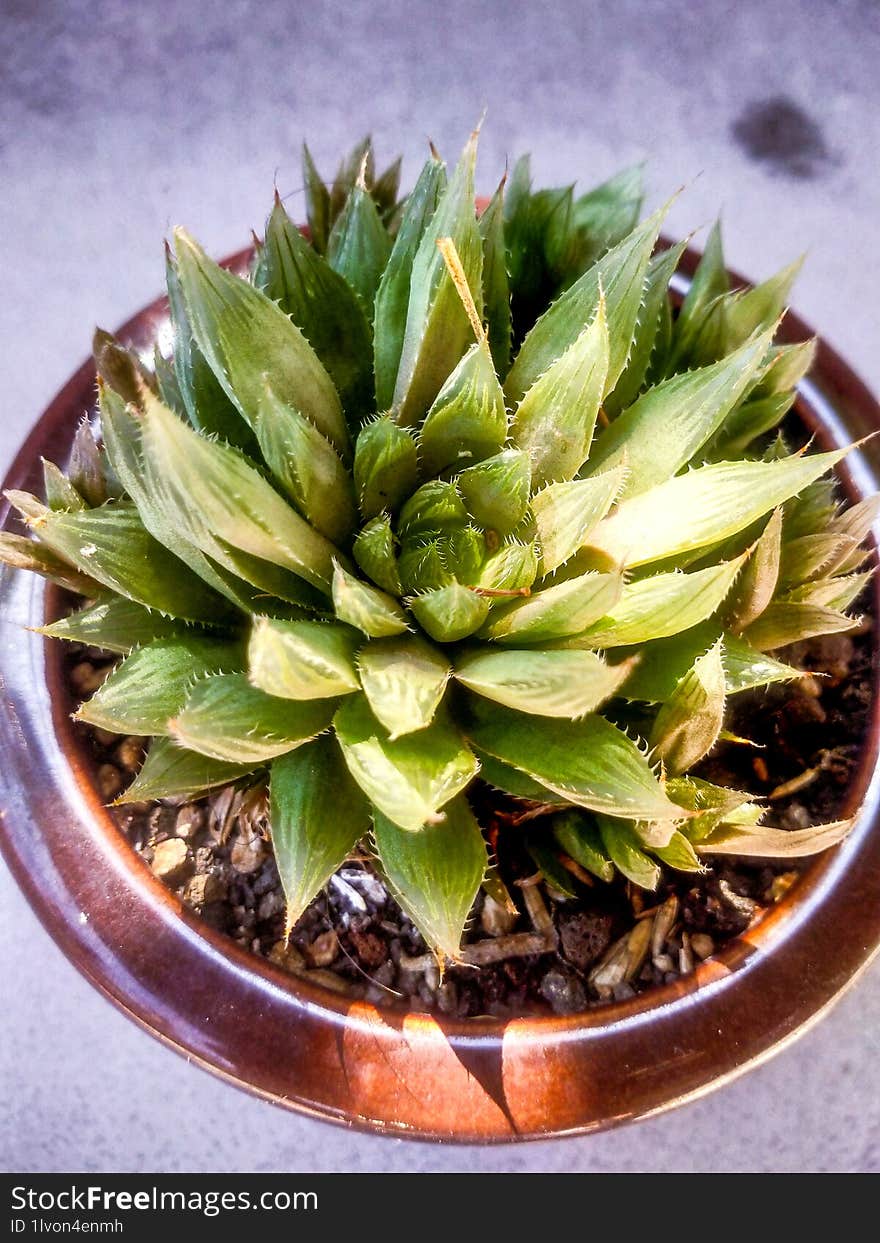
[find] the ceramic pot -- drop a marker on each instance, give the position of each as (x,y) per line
(409,1074)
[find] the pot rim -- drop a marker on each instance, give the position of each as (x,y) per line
(359,1044)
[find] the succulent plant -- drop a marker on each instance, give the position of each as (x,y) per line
(429,494)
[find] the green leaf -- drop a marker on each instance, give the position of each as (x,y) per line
(606,214)
(465,554)
(496,283)
(392,298)
(513,568)
(374,552)
(434,509)
(679,854)
(111,546)
(560,684)
(664,662)
(408,779)
(554,421)
(58,490)
(581,840)
(755,309)
(359,246)
(85,467)
(467,421)
(662,605)
(386,188)
(496,491)
(216,499)
(620,276)
(122,440)
(669,424)
(423,566)
(120,368)
(589,762)
(757,583)
(833,593)
(857,520)
(719,500)
(115,624)
(567,608)
(317,203)
(709,284)
(150,686)
(647,342)
(762,842)
(318,815)
(324,307)
(624,848)
(385,466)
(565,514)
(810,556)
(437,329)
(784,367)
(435,875)
(244,336)
(369,609)
(512,781)
(205,402)
(450,613)
(308,468)
(303,659)
(749,421)
(785,622)
(22,553)
(226,718)
(545,856)
(687,725)
(169,771)
(712,804)
(404,680)
(359,163)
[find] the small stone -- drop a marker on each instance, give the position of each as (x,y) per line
(161,823)
(495,919)
(564,992)
(385,974)
(130,753)
(685,957)
(270,904)
(447,997)
(702,945)
(366,883)
(207,887)
(329,980)
(323,950)
(189,821)
(738,902)
(267,879)
(585,936)
(110,782)
(104,737)
(247,854)
(664,922)
(286,955)
(171,861)
(664,963)
(780,885)
(370,946)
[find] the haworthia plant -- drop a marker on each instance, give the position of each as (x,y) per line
(432,494)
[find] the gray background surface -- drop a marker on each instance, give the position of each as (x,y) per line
(118,120)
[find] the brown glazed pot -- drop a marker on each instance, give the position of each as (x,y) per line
(410,1074)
